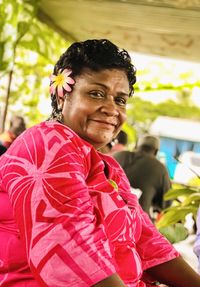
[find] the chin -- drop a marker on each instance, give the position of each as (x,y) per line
(99,141)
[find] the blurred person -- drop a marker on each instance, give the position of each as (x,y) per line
(2,149)
(120,142)
(68,217)
(147,173)
(117,144)
(16,127)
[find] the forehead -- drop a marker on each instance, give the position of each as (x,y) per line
(106,76)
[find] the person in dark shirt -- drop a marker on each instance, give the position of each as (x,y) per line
(120,142)
(147,173)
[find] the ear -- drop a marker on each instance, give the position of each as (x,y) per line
(60,102)
(156,151)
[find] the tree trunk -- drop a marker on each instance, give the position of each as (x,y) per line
(4,114)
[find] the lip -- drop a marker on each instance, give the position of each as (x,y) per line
(105,122)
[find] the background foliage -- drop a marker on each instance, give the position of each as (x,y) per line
(28,51)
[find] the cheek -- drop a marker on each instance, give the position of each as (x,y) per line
(123,116)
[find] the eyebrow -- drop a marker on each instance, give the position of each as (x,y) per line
(106,87)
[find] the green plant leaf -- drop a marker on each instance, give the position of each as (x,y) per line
(4,66)
(192,199)
(174,233)
(174,193)
(174,215)
(22,28)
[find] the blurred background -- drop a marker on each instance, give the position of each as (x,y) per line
(163,38)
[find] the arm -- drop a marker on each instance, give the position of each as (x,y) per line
(161,261)
(175,273)
(146,199)
(112,281)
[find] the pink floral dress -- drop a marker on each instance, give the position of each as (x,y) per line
(67,217)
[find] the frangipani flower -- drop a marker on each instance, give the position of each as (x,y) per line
(60,82)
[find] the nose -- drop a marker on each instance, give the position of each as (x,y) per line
(110,108)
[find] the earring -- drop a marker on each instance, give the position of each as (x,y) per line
(59,115)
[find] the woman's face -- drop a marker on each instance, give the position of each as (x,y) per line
(96,108)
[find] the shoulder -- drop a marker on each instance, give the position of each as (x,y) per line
(48,138)
(161,165)
(123,153)
(49,130)
(126,159)
(48,146)
(123,156)
(154,161)
(159,169)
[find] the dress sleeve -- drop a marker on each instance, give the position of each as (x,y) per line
(152,246)
(65,240)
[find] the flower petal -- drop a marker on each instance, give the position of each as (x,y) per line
(52,90)
(67,87)
(61,81)
(66,72)
(60,91)
(70,81)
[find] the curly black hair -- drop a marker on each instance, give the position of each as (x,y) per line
(96,55)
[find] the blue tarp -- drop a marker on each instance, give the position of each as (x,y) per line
(172,148)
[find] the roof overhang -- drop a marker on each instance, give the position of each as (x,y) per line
(157,27)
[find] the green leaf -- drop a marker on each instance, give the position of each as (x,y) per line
(30,45)
(22,28)
(4,66)
(174,193)
(192,199)
(174,233)
(174,215)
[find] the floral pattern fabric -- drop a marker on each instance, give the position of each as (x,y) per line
(72,225)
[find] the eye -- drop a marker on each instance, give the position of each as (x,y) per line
(121,101)
(97,94)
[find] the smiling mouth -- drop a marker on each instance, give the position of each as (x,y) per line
(105,123)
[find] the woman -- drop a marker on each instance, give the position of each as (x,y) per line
(76,221)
